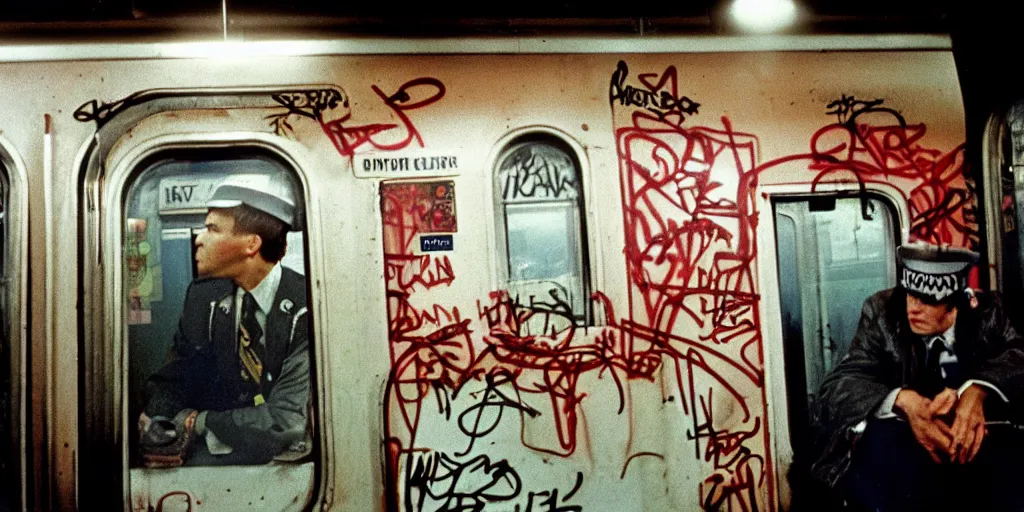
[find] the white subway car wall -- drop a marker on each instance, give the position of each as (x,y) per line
(536,282)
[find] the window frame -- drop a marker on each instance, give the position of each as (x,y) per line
(15,237)
(236,153)
(103,241)
(890,209)
(585,217)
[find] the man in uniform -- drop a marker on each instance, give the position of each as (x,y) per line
(906,415)
(235,388)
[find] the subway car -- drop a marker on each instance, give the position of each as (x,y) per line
(542,274)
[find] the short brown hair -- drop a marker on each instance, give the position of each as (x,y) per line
(271,230)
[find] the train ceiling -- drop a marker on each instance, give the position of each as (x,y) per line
(255,19)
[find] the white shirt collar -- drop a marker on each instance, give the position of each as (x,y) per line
(948,337)
(265,291)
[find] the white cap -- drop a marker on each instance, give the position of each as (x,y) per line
(267,193)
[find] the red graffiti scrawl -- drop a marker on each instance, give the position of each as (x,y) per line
(411,95)
(691,312)
(330,109)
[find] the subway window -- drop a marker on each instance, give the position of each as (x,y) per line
(541,226)
(220,369)
(833,253)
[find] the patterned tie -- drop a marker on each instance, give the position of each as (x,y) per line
(249,336)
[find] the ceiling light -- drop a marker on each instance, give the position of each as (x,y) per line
(763,15)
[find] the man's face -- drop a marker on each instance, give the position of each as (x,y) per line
(219,250)
(927,319)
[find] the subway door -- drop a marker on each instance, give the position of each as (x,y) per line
(832,252)
(151,322)
(1004,204)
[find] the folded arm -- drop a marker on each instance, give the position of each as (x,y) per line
(267,429)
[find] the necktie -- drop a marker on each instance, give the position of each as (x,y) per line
(941,365)
(249,335)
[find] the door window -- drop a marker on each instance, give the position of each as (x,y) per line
(833,253)
(219,339)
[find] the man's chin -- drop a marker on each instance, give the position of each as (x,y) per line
(922,330)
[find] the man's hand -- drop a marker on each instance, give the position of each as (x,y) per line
(924,418)
(165,442)
(943,403)
(969,425)
(144,423)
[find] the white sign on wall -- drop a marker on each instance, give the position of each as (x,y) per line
(406,164)
(186,194)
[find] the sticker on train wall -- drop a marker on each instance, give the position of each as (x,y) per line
(422,206)
(405,164)
(434,243)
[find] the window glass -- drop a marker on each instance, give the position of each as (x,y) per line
(831,258)
(545,242)
(219,343)
(541,241)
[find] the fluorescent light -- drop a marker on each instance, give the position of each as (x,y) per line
(234,49)
(763,15)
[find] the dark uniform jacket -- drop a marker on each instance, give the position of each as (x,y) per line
(204,372)
(885,355)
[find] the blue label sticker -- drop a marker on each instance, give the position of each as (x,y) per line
(429,243)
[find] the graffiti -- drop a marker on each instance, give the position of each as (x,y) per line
(428,207)
(535,171)
(689,222)
(622,475)
(734,476)
(101,112)
(412,95)
(847,108)
(524,366)
(430,345)
(347,138)
(547,501)
(187,501)
(478,420)
(433,362)
(453,486)
(310,104)
(942,208)
(740,485)
(441,483)
(661,98)
(538,346)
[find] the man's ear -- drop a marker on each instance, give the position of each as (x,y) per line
(972,298)
(253,244)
